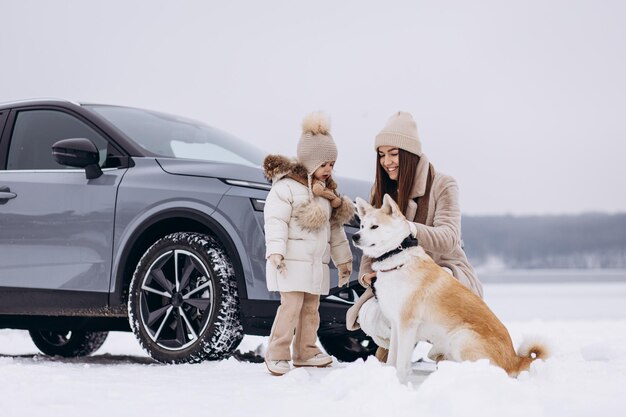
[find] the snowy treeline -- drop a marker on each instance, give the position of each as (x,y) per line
(573,241)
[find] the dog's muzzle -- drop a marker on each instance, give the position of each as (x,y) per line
(356,237)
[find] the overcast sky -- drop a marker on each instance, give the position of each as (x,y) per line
(523,102)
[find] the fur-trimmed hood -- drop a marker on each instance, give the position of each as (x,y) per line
(277,167)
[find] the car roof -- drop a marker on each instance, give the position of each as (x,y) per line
(37,101)
(118,137)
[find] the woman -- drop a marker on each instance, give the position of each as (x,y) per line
(429,200)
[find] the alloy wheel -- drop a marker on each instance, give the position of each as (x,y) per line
(176,299)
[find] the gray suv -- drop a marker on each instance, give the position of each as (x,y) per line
(118,218)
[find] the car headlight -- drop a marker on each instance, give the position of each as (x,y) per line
(258,204)
(248,184)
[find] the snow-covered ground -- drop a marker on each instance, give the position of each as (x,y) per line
(586,376)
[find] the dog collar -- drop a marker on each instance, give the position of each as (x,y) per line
(391,269)
(408,242)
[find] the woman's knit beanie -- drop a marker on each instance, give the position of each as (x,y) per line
(316,145)
(400,132)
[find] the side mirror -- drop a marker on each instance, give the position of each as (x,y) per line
(79,153)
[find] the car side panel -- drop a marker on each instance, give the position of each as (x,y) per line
(57,233)
(246,226)
(147,191)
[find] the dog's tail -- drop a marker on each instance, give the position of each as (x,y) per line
(529,351)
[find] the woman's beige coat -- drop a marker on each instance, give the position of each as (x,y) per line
(305,230)
(440,236)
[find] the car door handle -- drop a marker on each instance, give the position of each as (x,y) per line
(6,194)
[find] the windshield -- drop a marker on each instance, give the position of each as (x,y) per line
(176,137)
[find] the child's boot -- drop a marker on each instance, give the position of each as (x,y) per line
(320,360)
(277,367)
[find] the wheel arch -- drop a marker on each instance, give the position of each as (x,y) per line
(162,224)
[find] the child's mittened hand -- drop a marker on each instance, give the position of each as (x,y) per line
(345,270)
(278,262)
(318,188)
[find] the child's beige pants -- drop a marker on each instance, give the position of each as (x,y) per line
(298,312)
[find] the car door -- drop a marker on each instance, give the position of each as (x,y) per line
(56,227)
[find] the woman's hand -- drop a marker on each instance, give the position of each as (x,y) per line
(278,262)
(412,228)
(345,270)
(366,279)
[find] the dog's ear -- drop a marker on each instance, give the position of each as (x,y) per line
(390,207)
(362,207)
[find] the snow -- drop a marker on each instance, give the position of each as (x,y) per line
(585,325)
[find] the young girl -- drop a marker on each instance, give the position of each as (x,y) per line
(304,217)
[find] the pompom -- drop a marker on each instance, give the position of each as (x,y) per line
(310,216)
(344,213)
(316,123)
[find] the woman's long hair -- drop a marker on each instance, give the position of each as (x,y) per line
(407,162)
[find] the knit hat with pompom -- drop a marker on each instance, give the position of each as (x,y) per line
(400,132)
(316,145)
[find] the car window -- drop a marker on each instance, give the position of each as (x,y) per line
(34,133)
(176,137)
(207,152)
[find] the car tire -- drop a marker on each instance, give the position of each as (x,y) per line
(183,304)
(348,346)
(68,344)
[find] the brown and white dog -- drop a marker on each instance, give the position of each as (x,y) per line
(424,302)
